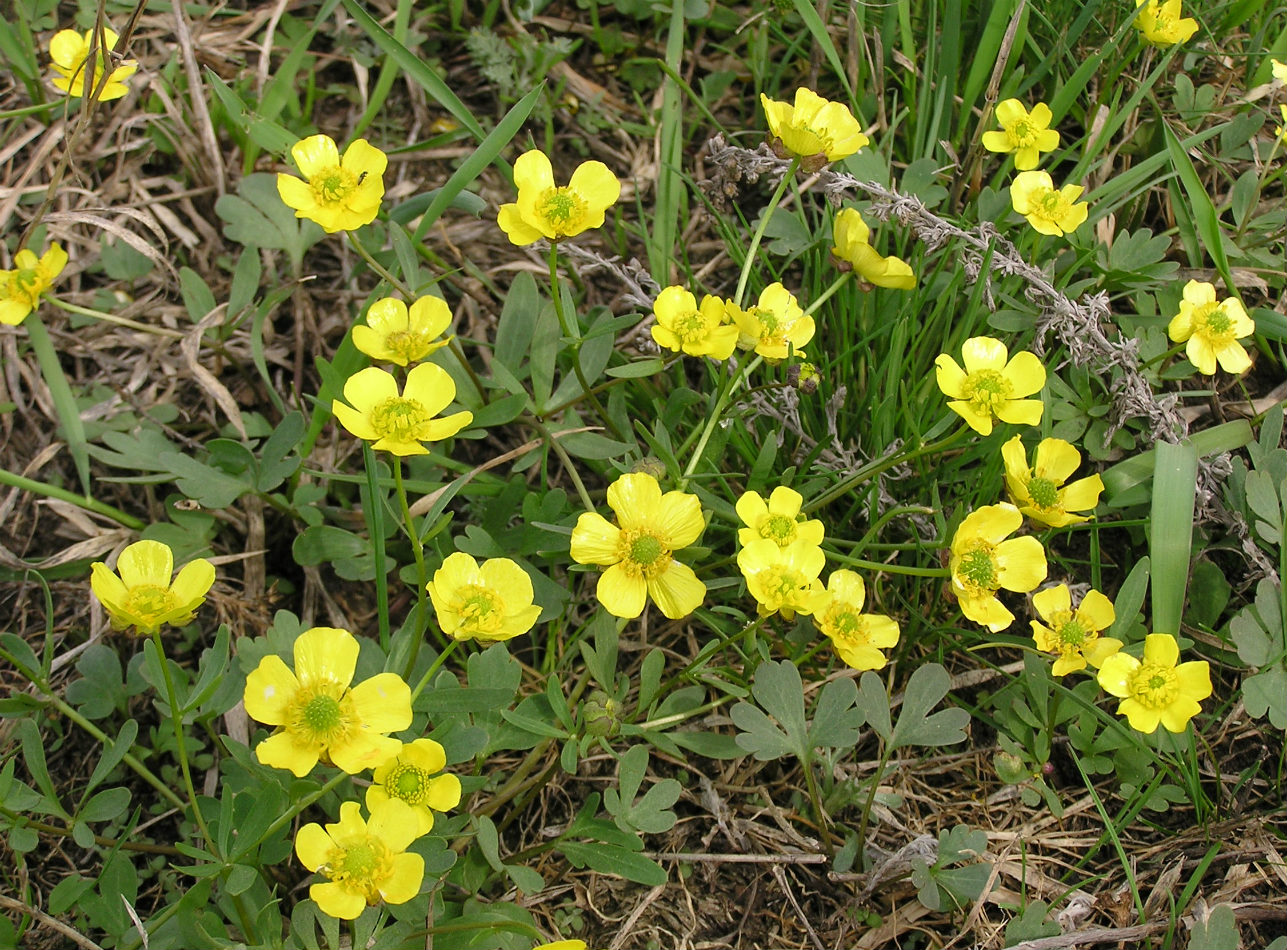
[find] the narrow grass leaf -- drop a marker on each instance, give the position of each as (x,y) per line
(1205,218)
(1171,531)
(64,402)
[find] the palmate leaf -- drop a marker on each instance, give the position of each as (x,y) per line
(777,726)
(925,690)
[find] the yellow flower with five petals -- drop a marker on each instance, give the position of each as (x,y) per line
(400,423)
(364,862)
(1074,634)
(69,51)
(320,718)
(1210,329)
(144,592)
(813,128)
(777,519)
(396,333)
(1039,491)
(1162,23)
(775,326)
(555,212)
(487,602)
(856,637)
(639,550)
(1025,133)
(985,559)
(340,194)
(783,580)
(852,249)
(990,385)
(1049,210)
(413,778)
(1156,689)
(20,288)
(683,326)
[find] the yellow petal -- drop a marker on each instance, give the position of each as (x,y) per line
(1052,601)
(335,900)
(677,591)
(516,228)
(1021,563)
(280,751)
(431,386)
(404,882)
(1096,611)
(1024,412)
(68,49)
(325,654)
(270,688)
(595,540)
(1161,649)
(442,792)
(1024,373)
(192,583)
(362,752)
(1116,672)
(598,187)
(146,562)
(533,172)
(367,388)
(393,823)
(382,703)
(622,594)
(107,587)
(361,157)
(315,154)
(1056,460)
(950,376)
(635,497)
(313,846)
(984,352)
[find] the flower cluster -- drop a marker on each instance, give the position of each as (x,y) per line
(683,326)
(1033,194)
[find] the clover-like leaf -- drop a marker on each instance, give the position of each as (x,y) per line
(780,694)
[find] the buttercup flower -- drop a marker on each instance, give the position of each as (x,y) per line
(1156,690)
(698,331)
(320,717)
(69,50)
(1161,23)
(556,212)
(395,334)
(783,580)
(1212,329)
(1281,130)
(1025,133)
(990,386)
(984,561)
(816,129)
(364,862)
(400,423)
(1040,492)
(1048,209)
(775,327)
(779,519)
(412,778)
(1279,70)
(856,637)
(20,288)
(339,194)
(562,945)
(638,550)
(489,602)
(853,250)
(143,596)
(1074,634)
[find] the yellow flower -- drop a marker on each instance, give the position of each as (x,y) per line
(20,288)
(492,602)
(1040,492)
(320,717)
(364,862)
(1161,23)
(783,580)
(562,945)
(1074,634)
(816,129)
(1279,70)
(983,562)
(69,50)
(1025,133)
(683,326)
(639,550)
(775,327)
(1156,690)
(990,386)
(400,423)
(412,778)
(1281,130)
(544,210)
(395,334)
(1048,209)
(779,519)
(144,596)
(856,637)
(339,194)
(853,250)
(1212,329)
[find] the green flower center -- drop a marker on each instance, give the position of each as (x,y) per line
(844,623)
(1073,636)
(562,210)
(986,389)
(361,865)
(1155,687)
(332,185)
(1211,321)
(147,604)
(26,285)
(1043,492)
(770,324)
(399,419)
(410,345)
(1052,204)
(321,715)
(977,569)
(407,783)
(642,554)
(481,609)
(1022,133)
(779,528)
(690,327)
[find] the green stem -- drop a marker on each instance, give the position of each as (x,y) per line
(81,501)
(758,236)
(566,459)
(422,575)
(826,294)
(103,738)
(815,801)
(573,332)
(875,468)
(378,267)
(291,813)
(719,644)
(434,667)
(375,525)
(721,403)
(885,751)
(114,319)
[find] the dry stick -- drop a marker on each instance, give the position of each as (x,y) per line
(53,923)
(196,90)
(1095,935)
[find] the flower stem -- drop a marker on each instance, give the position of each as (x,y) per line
(570,330)
(375,525)
(826,294)
(721,403)
(877,467)
(81,501)
(434,667)
(885,751)
(113,318)
(418,550)
(290,814)
(566,459)
(758,236)
(378,267)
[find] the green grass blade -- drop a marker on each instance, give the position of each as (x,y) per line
(1205,218)
(818,30)
(670,194)
(1171,531)
(64,401)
